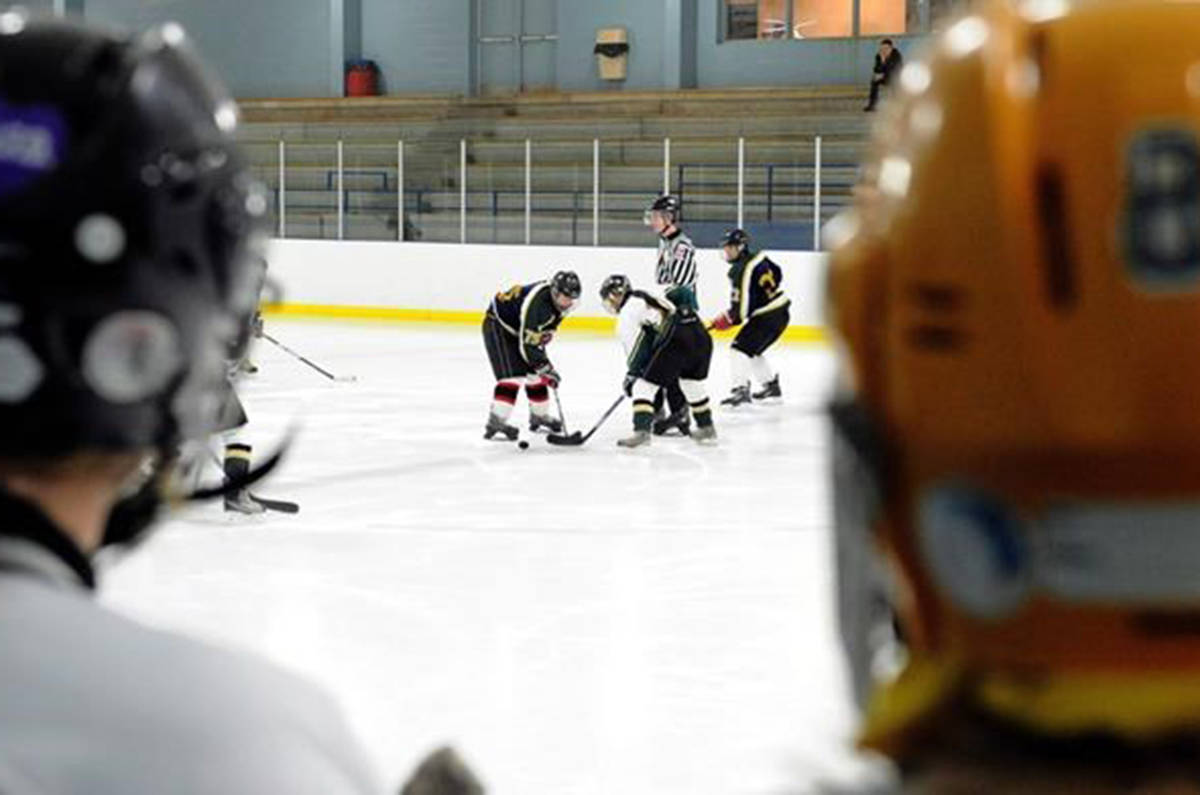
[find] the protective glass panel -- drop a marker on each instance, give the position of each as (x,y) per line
(310,190)
(431,192)
(369,191)
(562,193)
(495,192)
(706,179)
(264,165)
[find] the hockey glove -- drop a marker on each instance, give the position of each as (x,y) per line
(627,385)
(721,322)
(549,375)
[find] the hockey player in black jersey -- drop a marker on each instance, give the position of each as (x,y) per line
(758,304)
(676,267)
(666,343)
(232,418)
(518,325)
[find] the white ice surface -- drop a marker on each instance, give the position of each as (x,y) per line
(589,620)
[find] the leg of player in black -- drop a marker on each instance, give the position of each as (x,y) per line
(697,347)
(677,418)
(539,405)
(510,371)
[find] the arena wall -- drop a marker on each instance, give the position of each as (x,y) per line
(449,283)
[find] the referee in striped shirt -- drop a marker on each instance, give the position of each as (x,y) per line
(676,268)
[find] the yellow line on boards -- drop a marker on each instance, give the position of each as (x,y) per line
(388,314)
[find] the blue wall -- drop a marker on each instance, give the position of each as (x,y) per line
(296,48)
(262,48)
(421,47)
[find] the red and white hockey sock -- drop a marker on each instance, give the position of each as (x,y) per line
(504,397)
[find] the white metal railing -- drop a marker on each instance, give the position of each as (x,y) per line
(761,193)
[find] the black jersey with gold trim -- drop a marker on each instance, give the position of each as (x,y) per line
(528,312)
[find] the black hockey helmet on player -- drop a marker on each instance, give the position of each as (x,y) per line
(126,220)
(737,239)
(565,285)
(668,205)
(613,292)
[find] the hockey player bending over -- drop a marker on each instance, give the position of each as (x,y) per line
(1016,453)
(125,214)
(758,304)
(665,343)
(518,325)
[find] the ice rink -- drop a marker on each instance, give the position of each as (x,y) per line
(574,620)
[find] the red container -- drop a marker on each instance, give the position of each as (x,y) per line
(362,79)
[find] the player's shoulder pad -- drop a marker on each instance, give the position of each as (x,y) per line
(658,302)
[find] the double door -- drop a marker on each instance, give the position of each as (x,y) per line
(517,45)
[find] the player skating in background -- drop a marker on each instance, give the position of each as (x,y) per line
(518,325)
(758,304)
(233,419)
(665,343)
(676,267)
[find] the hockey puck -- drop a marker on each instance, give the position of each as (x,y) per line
(524,445)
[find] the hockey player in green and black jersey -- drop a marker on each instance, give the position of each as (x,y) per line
(518,325)
(665,343)
(759,305)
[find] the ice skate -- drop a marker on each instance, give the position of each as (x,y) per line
(769,390)
(495,425)
(705,434)
(739,395)
(551,424)
(677,420)
(241,502)
(638,439)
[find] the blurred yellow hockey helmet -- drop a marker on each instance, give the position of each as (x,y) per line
(1017,294)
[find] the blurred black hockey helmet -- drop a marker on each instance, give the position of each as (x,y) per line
(613,291)
(567,283)
(735,237)
(668,204)
(617,284)
(127,216)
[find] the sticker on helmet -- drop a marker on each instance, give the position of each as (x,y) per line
(20,371)
(1162,209)
(32,141)
(132,355)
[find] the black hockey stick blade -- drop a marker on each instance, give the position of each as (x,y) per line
(575,439)
(282,506)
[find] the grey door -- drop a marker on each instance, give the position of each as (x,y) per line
(517,45)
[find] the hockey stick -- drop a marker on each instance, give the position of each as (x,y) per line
(562,418)
(313,365)
(230,487)
(576,439)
